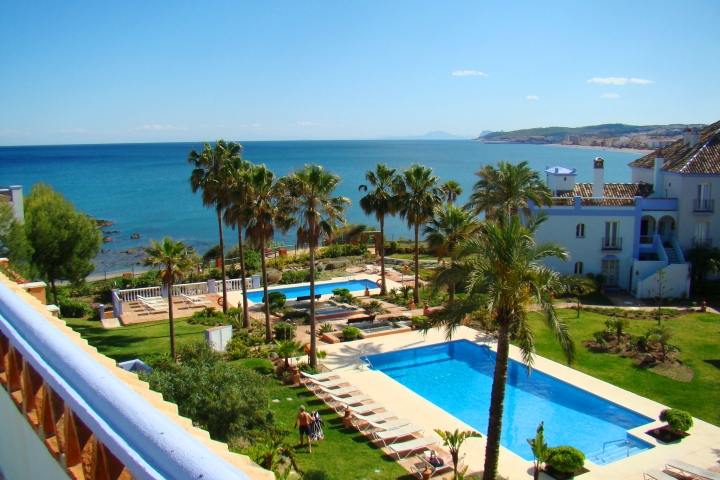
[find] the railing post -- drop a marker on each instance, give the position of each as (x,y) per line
(117,302)
(212,288)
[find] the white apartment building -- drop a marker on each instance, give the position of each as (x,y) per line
(630,231)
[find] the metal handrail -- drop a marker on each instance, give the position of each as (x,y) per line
(625,440)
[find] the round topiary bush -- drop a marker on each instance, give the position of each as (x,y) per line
(565,459)
(284,331)
(351,333)
(273,275)
(678,420)
(276,300)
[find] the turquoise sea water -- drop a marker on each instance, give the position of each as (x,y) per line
(144,188)
(457,377)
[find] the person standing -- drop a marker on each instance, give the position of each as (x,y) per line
(304,419)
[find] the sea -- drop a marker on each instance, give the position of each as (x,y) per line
(144,189)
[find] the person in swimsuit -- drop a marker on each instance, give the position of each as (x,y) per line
(304,419)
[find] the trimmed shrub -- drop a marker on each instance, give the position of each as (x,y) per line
(565,459)
(277,300)
(284,331)
(351,333)
(678,420)
(420,321)
(73,309)
(236,349)
(292,314)
(273,275)
(297,276)
(337,264)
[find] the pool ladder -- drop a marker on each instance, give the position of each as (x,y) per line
(619,440)
(362,362)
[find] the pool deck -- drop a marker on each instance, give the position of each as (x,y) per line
(701,448)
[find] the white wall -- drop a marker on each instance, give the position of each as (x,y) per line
(22,454)
(676,280)
(642,175)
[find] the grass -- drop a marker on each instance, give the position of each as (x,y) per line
(696,335)
(411,256)
(135,341)
(344,454)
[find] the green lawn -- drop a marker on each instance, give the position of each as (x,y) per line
(410,256)
(134,341)
(696,335)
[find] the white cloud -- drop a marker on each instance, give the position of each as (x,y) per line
(13,133)
(161,127)
(255,125)
(619,80)
(462,73)
(609,95)
(73,130)
(532,97)
(309,124)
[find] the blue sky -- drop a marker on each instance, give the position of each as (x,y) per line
(111,72)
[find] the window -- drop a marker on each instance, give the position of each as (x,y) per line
(610,269)
(611,239)
(703,202)
(579,267)
(580,230)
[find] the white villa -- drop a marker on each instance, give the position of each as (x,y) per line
(631,231)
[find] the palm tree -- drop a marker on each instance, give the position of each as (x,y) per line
(417,197)
(176,260)
(446,230)
(262,212)
(506,190)
(503,270)
(379,201)
(576,285)
(236,214)
(454,440)
(212,175)
(308,202)
(450,190)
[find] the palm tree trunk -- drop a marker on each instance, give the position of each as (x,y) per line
(246,317)
(313,337)
(497,399)
(222,260)
(383,287)
(172,322)
(416,291)
(266,306)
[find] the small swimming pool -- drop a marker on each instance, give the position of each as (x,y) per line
(320,288)
(457,377)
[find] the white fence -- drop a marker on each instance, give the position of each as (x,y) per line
(131,295)
(199,288)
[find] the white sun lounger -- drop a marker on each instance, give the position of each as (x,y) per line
(153,307)
(384,426)
(194,301)
(338,404)
(686,468)
(373,417)
(318,377)
(338,392)
(655,474)
(313,385)
(365,408)
(410,446)
(397,433)
(447,464)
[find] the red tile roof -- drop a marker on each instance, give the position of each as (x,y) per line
(615,194)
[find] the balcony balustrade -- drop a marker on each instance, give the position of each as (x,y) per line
(704,205)
(702,242)
(612,243)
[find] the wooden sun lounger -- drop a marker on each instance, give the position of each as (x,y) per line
(410,446)
(397,433)
(655,474)
(686,468)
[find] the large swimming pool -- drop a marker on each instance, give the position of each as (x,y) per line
(320,288)
(457,377)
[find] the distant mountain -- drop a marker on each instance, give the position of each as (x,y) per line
(484,132)
(439,135)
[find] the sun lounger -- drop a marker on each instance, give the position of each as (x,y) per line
(425,463)
(365,408)
(153,307)
(335,383)
(194,301)
(388,425)
(365,420)
(688,469)
(319,377)
(323,392)
(338,404)
(307,298)
(152,300)
(655,474)
(397,433)
(410,446)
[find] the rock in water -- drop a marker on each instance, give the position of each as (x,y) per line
(107,239)
(135,235)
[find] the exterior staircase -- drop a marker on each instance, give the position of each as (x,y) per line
(616,451)
(671,254)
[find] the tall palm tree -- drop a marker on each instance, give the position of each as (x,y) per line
(446,230)
(450,190)
(417,196)
(236,215)
(308,200)
(502,266)
(176,261)
(212,174)
(379,201)
(262,212)
(506,190)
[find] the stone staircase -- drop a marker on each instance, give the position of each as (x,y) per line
(616,451)
(671,254)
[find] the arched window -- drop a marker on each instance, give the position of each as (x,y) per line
(580,230)
(578,267)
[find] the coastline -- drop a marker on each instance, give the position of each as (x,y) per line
(613,149)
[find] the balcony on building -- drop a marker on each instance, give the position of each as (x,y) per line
(702,242)
(703,205)
(612,243)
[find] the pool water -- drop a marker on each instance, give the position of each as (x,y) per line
(457,377)
(320,288)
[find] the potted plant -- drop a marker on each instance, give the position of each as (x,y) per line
(539,447)
(565,461)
